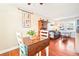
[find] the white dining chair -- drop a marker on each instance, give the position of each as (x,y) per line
(23,48)
(44,35)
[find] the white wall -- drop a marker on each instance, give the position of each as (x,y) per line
(9,23)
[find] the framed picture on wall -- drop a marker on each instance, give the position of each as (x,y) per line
(26,20)
(27,23)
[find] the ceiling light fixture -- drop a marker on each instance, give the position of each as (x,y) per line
(41,3)
(29,3)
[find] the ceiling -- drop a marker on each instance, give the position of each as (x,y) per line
(52,10)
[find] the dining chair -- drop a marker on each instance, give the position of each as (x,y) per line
(44,35)
(23,48)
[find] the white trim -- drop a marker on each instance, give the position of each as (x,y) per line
(9,49)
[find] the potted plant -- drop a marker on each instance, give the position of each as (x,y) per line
(31,33)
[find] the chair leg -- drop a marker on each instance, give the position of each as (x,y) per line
(39,53)
(47,51)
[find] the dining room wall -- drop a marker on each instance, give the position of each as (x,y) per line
(9,23)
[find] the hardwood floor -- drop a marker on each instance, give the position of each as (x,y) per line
(60,48)
(56,48)
(11,53)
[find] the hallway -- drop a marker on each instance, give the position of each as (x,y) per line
(59,48)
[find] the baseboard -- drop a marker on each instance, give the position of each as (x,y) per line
(9,49)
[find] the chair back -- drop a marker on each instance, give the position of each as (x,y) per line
(22,47)
(19,38)
(43,34)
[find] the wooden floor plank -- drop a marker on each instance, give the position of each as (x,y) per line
(55,50)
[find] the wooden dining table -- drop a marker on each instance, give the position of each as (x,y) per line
(35,45)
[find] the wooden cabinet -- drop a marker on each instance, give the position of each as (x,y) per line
(42,24)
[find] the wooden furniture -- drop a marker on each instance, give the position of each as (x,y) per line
(43,36)
(42,25)
(35,45)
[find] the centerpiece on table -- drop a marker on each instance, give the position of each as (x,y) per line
(31,33)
